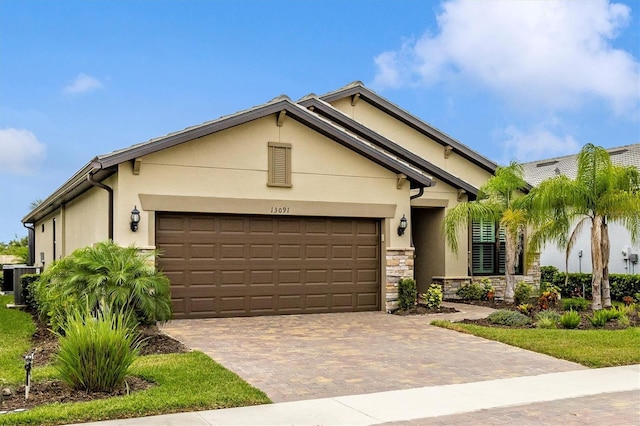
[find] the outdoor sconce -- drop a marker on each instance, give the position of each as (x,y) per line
(403,225)
(135,218)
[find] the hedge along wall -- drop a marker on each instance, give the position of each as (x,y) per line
(621,284)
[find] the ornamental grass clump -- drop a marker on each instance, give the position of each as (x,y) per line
(509,318)
(570,319)
(96,350)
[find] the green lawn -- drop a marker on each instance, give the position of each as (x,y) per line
(592,348)
(184,382)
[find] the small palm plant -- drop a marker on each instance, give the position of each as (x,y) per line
(101,276)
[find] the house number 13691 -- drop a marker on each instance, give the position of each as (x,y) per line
(280,210)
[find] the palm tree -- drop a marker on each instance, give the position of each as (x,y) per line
(499,201)
(601,193)
(106,276)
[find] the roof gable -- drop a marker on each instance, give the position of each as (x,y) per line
(103,166)
(324,109)
(357,90)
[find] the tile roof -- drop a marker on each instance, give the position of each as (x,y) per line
(537,171)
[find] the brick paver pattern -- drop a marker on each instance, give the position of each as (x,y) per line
(297,357)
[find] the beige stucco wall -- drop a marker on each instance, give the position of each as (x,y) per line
(232,164)
(44,238)
(86,219)
(412,140)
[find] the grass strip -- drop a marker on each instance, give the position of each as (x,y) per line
(16,329)
(184,382)
(591,348)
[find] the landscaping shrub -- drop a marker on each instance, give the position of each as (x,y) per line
(96,351)
(624,321)
(522,293)
(621,284)
(433,296)
(27,282)
(548,274)
(547,323)
(552,315)
(549,297)
(629,310)
(570,319)
(509,318)
(575,304)
(489,291)
(602,316)
(100,276)
(472,291)
(525,308)
(407,293)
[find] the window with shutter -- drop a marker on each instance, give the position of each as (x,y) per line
(279,164)
(488,253)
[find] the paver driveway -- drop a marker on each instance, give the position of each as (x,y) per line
(296,357)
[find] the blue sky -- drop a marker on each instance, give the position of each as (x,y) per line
(522,80)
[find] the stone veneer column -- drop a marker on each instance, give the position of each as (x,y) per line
(399,266)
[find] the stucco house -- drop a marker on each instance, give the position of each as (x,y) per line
(319,205)
(624,254)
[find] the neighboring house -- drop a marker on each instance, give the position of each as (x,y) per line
(285,208)
(624,255)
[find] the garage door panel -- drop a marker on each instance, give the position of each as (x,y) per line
(290,226)
(232,225)
(316,301)
(342,252)
(315,251)
(232,278)
(290,302)
(262,251)
(233,265)
(201,224)
(262,277)
(232,252)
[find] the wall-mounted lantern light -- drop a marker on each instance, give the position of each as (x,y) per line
(135,218)
(403,225)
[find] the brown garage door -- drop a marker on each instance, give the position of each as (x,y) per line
(234,265)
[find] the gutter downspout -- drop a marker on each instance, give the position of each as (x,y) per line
(31,260)
(419,194)
(110,191)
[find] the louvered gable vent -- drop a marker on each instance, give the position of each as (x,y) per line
(279,164)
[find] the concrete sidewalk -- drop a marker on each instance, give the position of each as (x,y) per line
(619,388)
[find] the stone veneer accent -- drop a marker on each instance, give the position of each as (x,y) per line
(451,284)
(399,265)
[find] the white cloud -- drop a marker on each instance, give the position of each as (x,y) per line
(536,144)
(550,53)
(21,151)
(83,84)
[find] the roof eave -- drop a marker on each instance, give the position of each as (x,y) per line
(412,121)
(365,132)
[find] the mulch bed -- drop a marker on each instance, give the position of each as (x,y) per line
(45,344)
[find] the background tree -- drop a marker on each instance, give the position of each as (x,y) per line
(500,200)
(18,247)
(601,193)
